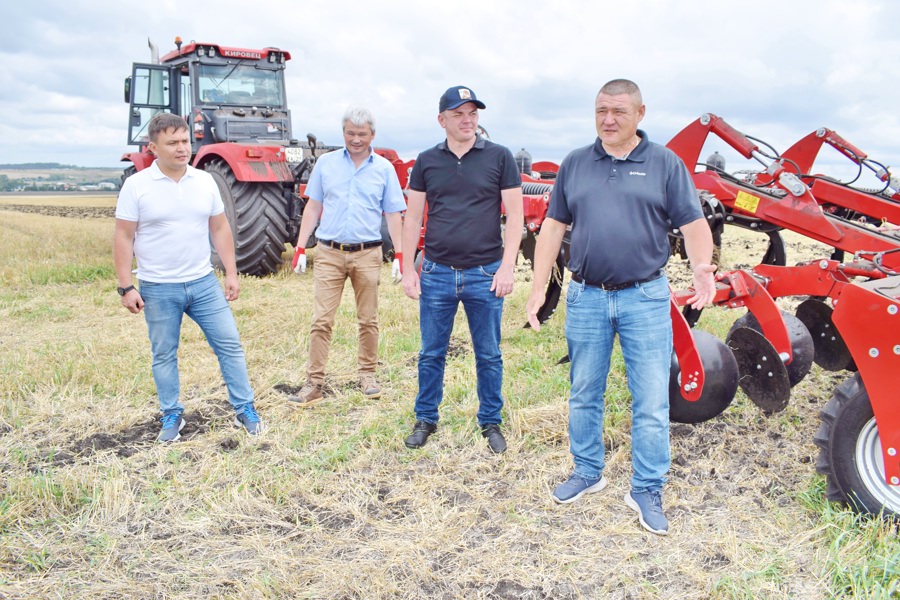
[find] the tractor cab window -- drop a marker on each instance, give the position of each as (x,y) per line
(151,93)
(240,84)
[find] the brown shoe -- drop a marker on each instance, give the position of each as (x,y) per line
(369,386)
(309,394)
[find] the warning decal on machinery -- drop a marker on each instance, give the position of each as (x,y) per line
(747,202)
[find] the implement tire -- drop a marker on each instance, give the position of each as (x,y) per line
(257,213)
(850,452)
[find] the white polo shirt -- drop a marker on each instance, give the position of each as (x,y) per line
(171,241)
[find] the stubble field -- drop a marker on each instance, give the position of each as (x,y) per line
(328,503)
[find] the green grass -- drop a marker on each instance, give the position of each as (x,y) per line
(330,504)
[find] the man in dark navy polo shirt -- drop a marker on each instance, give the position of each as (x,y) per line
(464,178)
(620,195)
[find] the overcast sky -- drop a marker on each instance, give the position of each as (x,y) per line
(775,70)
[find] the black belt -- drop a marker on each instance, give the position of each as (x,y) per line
(615,287)
(350,247)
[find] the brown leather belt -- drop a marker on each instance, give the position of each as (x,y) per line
(615,287)
(350,247)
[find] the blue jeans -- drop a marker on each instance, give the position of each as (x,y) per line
(203,301)
(443,288)
(640,315)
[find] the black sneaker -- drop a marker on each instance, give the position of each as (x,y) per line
(420,433)
(495,439)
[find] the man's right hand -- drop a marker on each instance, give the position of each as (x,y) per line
(411,284)
(133,301)
(534,304)
(299,262)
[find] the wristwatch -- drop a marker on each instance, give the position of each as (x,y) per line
(124,290)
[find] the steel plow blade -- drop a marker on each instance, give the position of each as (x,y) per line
(763,376)
(719,386)
(831,352)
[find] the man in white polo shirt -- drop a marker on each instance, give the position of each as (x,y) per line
(165,217)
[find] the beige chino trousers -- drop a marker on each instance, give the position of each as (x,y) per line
(331,269)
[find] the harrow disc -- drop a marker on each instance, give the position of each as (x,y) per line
(831,353)
(802,347)
(721,382)
(764,378)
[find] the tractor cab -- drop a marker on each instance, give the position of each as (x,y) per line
(225,94)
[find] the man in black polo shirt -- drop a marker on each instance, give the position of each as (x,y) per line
(620,195)
(464,178)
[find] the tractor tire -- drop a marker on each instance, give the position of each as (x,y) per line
(555,284)
(128,172)
(257,213)
(850,452)
(387,245)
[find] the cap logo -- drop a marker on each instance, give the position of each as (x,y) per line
(465,94)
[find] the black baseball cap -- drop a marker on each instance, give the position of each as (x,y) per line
(457,96)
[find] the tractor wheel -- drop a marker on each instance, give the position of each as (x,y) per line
(554,286)
(387,245)
(257,213)
(850,452)
(776,254)
(128,172)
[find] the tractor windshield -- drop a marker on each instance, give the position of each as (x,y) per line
(240,84)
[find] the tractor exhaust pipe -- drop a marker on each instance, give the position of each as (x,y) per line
(154,52)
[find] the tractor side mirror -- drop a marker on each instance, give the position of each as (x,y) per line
(128,89)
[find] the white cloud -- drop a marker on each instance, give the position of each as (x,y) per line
(773,69)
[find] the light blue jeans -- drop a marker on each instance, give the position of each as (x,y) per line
(443,288)
(203,300)
(640,316)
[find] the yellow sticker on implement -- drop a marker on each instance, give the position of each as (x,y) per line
(747,202)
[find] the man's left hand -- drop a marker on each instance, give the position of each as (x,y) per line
(503,282)
(232,287)
(704,286)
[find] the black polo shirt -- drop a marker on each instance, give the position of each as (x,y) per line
(463,195)
(621,210)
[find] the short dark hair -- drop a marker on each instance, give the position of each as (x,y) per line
(163,122)
(622,86)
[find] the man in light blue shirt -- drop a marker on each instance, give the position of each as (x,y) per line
(349,189)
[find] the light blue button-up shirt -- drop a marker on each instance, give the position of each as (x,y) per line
(353,198)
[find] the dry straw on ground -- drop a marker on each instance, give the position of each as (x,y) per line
(329,503)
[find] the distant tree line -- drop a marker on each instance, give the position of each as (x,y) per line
(52,183)
(25,166)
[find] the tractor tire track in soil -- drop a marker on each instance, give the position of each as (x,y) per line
(72,212)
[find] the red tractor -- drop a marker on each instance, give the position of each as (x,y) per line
(235,104)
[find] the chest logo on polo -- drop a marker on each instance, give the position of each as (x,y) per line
(637,173)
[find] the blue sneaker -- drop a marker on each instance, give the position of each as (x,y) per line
(249,420)
(648,506)
(575,487)
(172,424)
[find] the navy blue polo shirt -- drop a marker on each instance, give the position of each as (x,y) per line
(463,194)
(621,210)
